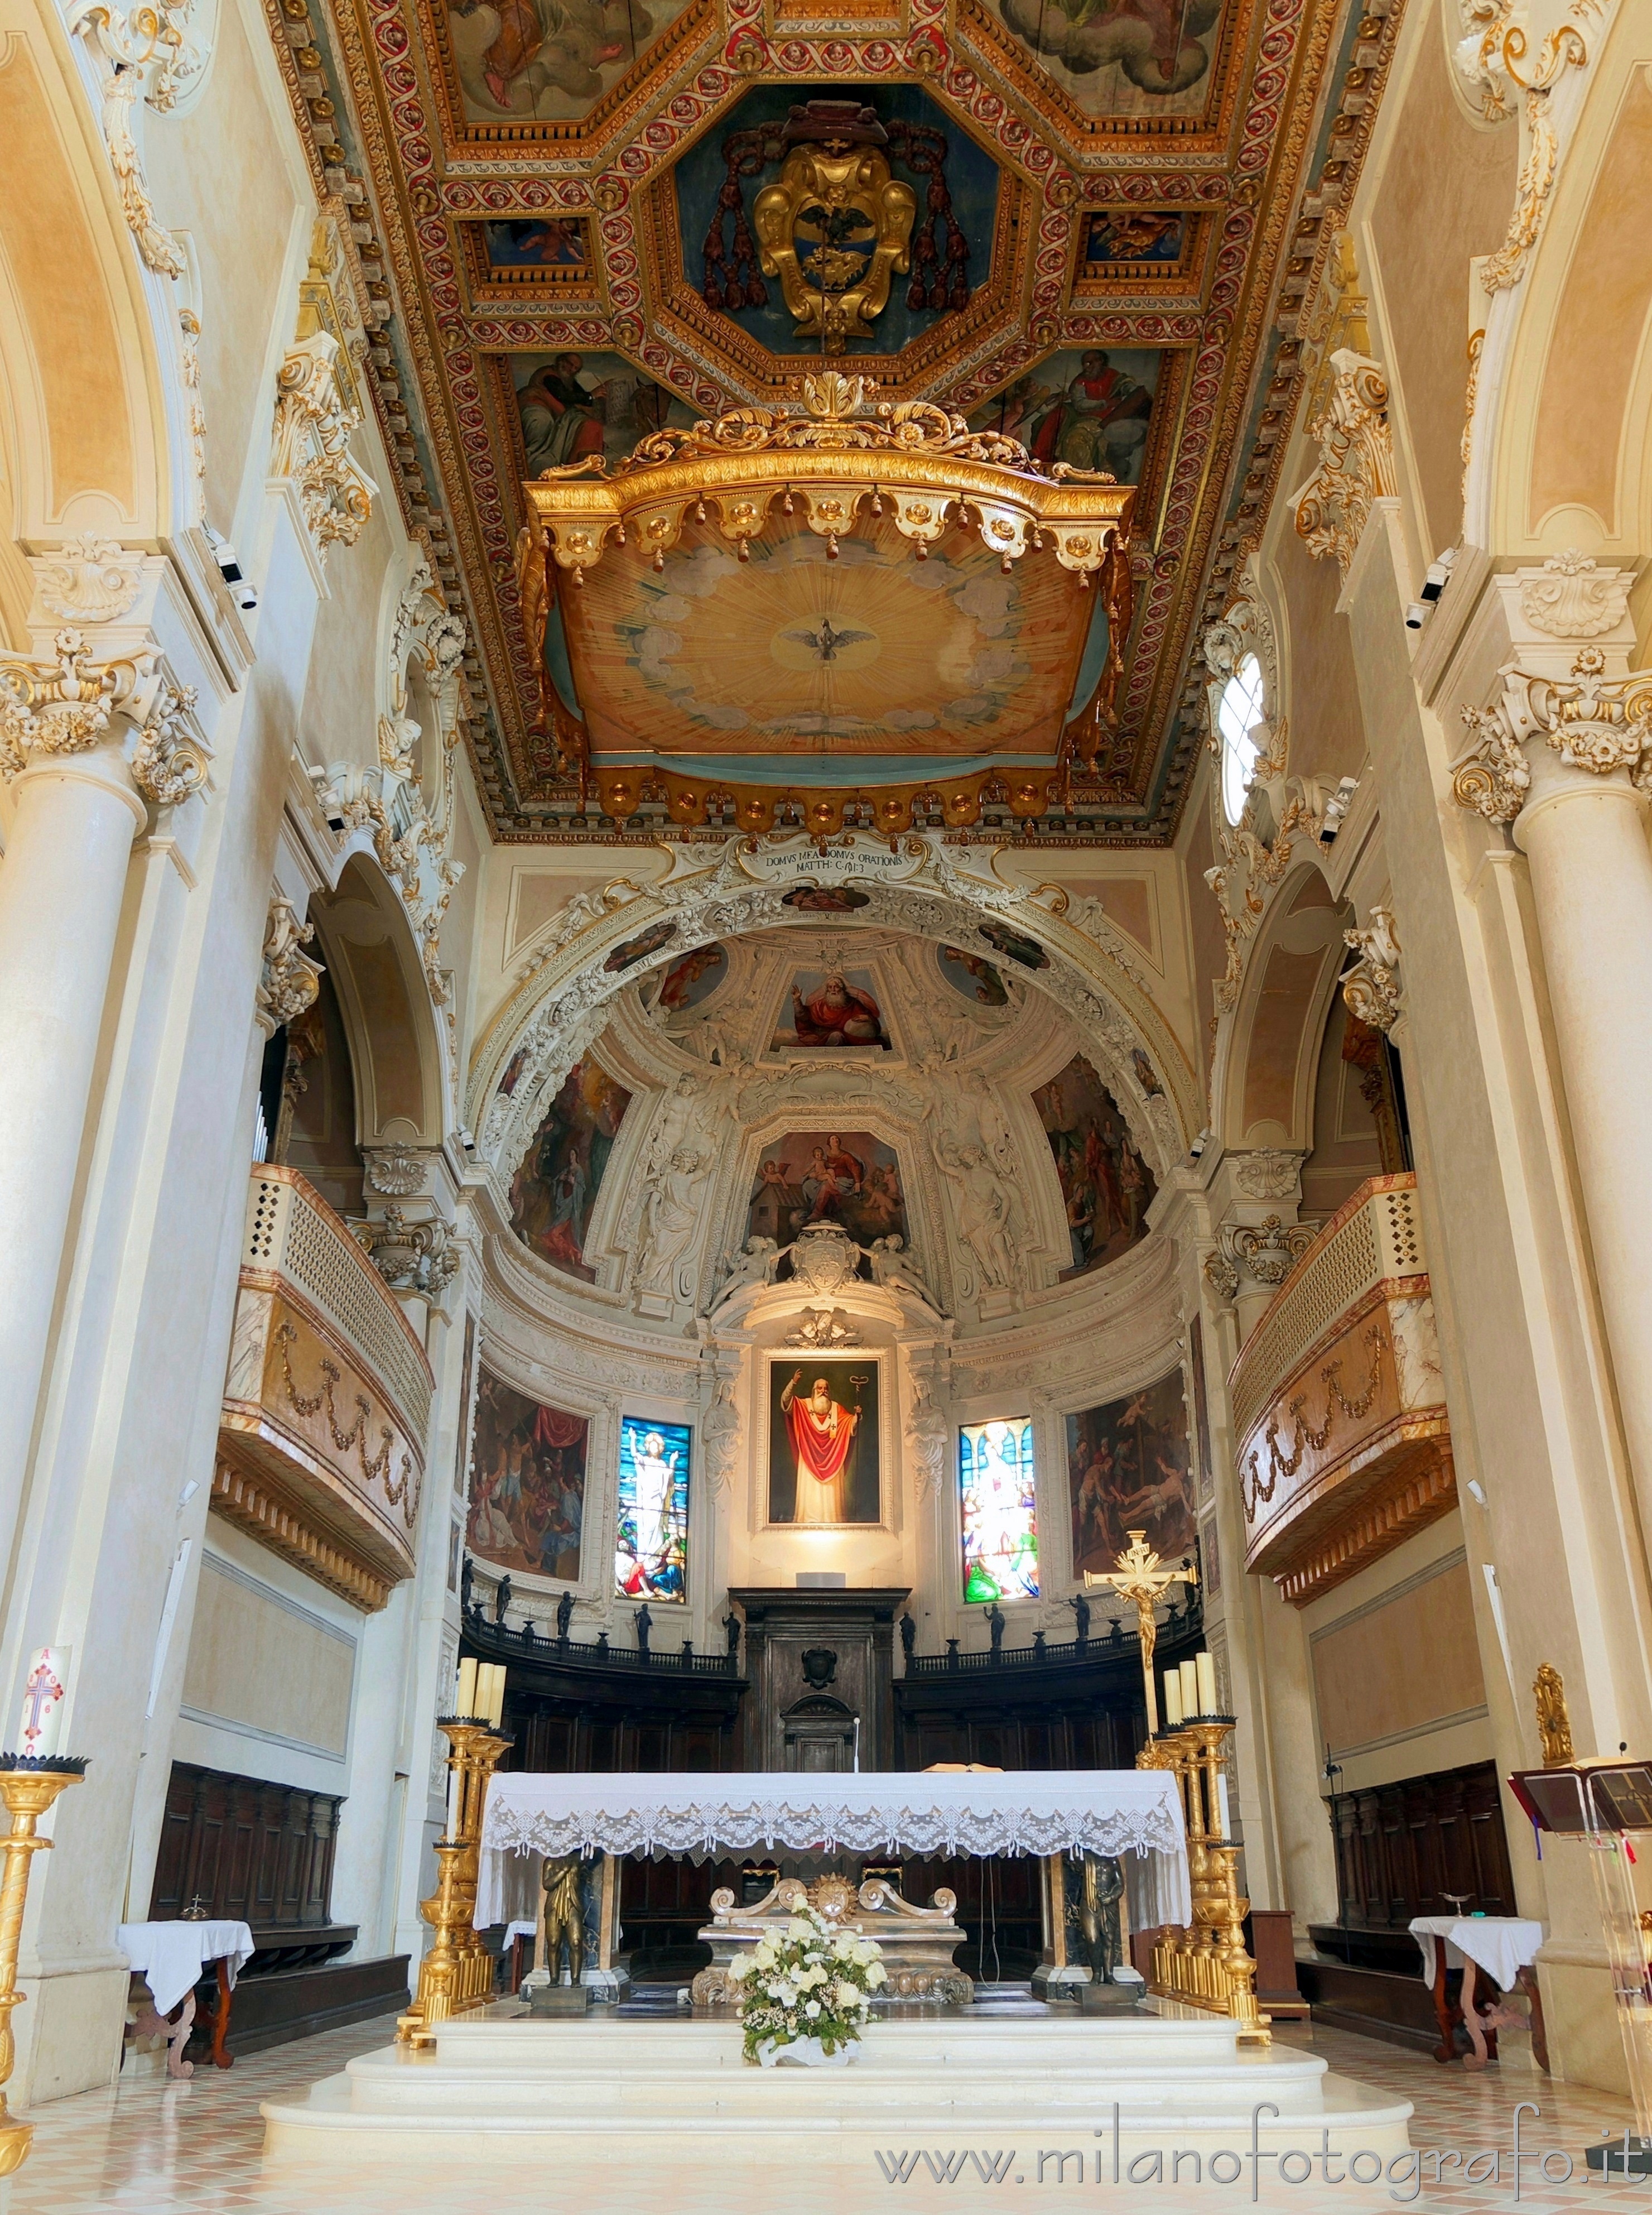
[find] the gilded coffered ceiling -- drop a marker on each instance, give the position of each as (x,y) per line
(1092,228)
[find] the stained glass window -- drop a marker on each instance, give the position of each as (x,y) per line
(999,1514)
(651,1551)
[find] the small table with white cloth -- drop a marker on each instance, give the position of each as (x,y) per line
(1132,1814)
(170,1958)
(1502,1945)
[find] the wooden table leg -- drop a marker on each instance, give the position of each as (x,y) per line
(1528,1984)
(1447,2049)
(221,2057)
(1477,2037)
(178,2038)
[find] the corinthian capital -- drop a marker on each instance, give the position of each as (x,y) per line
(71,701)
(1588,720)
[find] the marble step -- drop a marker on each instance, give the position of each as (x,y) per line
(565,2080)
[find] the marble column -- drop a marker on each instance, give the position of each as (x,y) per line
(1582,826)
(1585,839)
(62,883)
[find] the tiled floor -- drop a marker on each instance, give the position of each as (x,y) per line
(155,2148)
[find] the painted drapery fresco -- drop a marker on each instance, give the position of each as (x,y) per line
(1092,409)
(1106,1186)
(847,1177)
(1126,57)
(550,59)
(1128,1471)
(998,1511)
(575,406)
(823,1435)
(527,1483)
(554,1192)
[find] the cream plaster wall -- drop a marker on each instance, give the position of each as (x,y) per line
(227,173)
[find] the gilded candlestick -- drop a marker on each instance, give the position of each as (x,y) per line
(28,1787)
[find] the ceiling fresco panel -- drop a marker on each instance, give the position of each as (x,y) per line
(1157,185)
(793,655)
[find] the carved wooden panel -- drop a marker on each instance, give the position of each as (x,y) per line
(1401,1848)
(259,1853)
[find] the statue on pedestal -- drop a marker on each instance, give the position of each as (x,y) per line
(564,1617)
(1100,1886)
(564,1922)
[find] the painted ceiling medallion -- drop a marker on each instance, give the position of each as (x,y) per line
(836,608)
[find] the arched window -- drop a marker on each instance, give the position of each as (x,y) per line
(1237,717)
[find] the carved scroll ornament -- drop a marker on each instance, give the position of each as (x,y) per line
(1356,459)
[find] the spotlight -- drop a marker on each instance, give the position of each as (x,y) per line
(1434,584)
(241,591)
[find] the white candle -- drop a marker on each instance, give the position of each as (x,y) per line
(464,1701)
(1207,1674)
(1172,1701)
(1189,1676)
(493,1696)
(1222,1806)
(453,1784)
(40,1728)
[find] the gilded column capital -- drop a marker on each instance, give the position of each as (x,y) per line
(1587,721)
(72,700)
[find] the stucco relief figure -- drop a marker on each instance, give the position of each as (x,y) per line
(755,1264)
(670,1218)
(896,1270)
(984,1212)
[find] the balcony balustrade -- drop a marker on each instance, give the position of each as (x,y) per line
(321,1437)
(1345,1449)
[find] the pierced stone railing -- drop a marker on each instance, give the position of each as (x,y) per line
(321,1437)
(1345,1449)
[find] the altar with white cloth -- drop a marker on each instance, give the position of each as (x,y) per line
(1133,1814)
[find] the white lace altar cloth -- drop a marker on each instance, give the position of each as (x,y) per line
(1028,1811)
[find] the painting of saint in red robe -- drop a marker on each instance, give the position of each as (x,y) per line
(823,1441)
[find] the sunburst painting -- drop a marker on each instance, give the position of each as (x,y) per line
(795,655)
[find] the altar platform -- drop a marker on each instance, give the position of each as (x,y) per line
(612,2108)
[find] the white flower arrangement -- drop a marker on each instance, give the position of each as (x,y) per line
(811,1983)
